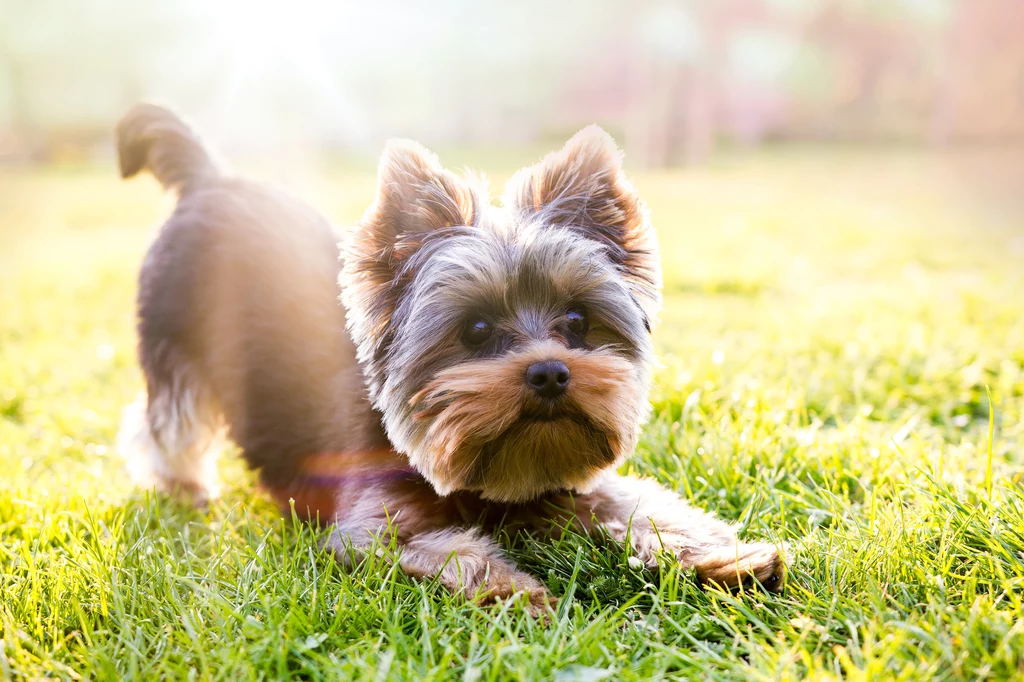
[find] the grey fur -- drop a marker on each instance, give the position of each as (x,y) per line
(239,326)
(238,304)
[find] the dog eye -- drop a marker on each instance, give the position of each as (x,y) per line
(477,331)
(577,321)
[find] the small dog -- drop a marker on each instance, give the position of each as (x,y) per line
(496,361)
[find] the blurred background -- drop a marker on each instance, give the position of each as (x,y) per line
(837,185)
(838,192)
(675,81)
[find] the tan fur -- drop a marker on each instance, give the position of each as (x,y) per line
(435,539)
(467,561)
(474,404)
(447,537)
(655,520)
(488,440)
(404,425)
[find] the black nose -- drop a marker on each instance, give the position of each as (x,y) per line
(549,378)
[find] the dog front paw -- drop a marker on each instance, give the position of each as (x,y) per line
(502,586)
(740,564)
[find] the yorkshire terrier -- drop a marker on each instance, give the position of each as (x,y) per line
(486,364)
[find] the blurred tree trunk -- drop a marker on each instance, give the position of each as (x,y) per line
(642,120)
(699,124)
(672,91)
(20,106)
(940,124)
(650,130)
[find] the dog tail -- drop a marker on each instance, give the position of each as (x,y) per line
(152,138)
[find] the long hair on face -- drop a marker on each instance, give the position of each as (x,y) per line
(489,432)
(431,253)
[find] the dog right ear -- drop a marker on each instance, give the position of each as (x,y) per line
(417,200)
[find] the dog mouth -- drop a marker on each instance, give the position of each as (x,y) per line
(552,421)
(585,435)
(547,418)
(549,411)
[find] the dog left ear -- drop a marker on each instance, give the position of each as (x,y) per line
(582,187)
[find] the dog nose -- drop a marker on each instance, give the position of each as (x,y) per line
(548,378)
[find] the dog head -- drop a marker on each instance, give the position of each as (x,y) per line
(507,348)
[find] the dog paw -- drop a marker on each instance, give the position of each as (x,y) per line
(514,586)
(731,567)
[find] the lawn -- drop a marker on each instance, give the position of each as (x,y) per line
(835,322)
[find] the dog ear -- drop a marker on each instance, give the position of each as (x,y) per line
(415,196)
(582,187)
(417,201)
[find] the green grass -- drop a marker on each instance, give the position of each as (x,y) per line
(834,321)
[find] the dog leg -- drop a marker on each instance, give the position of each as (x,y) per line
(431,544)
(170,441)
(654,519)
(467,561)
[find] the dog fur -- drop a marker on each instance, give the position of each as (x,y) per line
(427,402)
